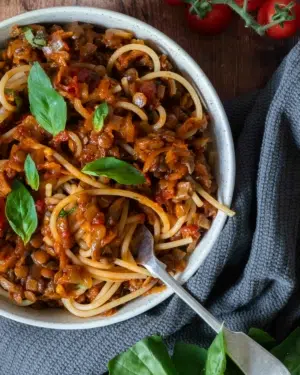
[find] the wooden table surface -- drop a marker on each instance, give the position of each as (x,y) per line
(236,61)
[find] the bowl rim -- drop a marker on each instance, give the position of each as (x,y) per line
(76,10)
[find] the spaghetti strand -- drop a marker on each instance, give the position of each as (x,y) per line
(131,47)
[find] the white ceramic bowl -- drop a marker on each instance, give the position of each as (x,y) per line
(62,319)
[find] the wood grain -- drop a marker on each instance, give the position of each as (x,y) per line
(236,61)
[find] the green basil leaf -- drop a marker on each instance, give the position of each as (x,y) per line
(40,39)
(231,368)
(47,106)
(288,352)
(216,356)
(28,35)
(148,357)
(262,338)
(20,211)
(31,173)
(118,170)
(37,41)
(189,359)
(64,213)
(38,77)
(100,115)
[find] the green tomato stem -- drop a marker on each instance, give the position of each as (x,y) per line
(245,7)
(274,23)
(249,20)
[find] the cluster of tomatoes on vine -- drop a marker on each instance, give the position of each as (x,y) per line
(276,18)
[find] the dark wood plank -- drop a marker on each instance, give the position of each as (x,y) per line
(236,61)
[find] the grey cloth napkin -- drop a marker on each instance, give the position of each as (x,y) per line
(249,279)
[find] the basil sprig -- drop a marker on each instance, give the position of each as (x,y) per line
(37,41)
(31,173)
(288,352)
(118,170)
(263,338)
(148,356)
(47,105)
(189,359)
(216,356)
(20,211)
(100,115)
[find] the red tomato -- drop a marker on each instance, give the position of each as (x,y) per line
(191,230)
(3,220)
(99,219)
(265,16)
(174,2)
(40,206)
(252,4)
(297,14)
(214,22)
(73,87)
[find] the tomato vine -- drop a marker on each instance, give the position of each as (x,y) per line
(281,13)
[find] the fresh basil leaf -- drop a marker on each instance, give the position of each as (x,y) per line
(118,170)
(262,338)
(37,41)
(28,35)
(189,359)
(64,213)
(47,106)
(20,211)
(216,356)
(40,39)
(148,357)
(231,368)
(100,115)
(288,352)
(38,76)
(31,173)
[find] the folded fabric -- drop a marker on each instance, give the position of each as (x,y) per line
(249,279)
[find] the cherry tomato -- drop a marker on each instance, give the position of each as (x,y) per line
(297,14)
(214,22)
(174,2)
(265,16)
(252,4)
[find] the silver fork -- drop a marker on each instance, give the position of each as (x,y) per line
(249,356)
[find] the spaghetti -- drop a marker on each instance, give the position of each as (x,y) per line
(134,47)
(121,106)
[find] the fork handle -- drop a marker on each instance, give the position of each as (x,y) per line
(158,271)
